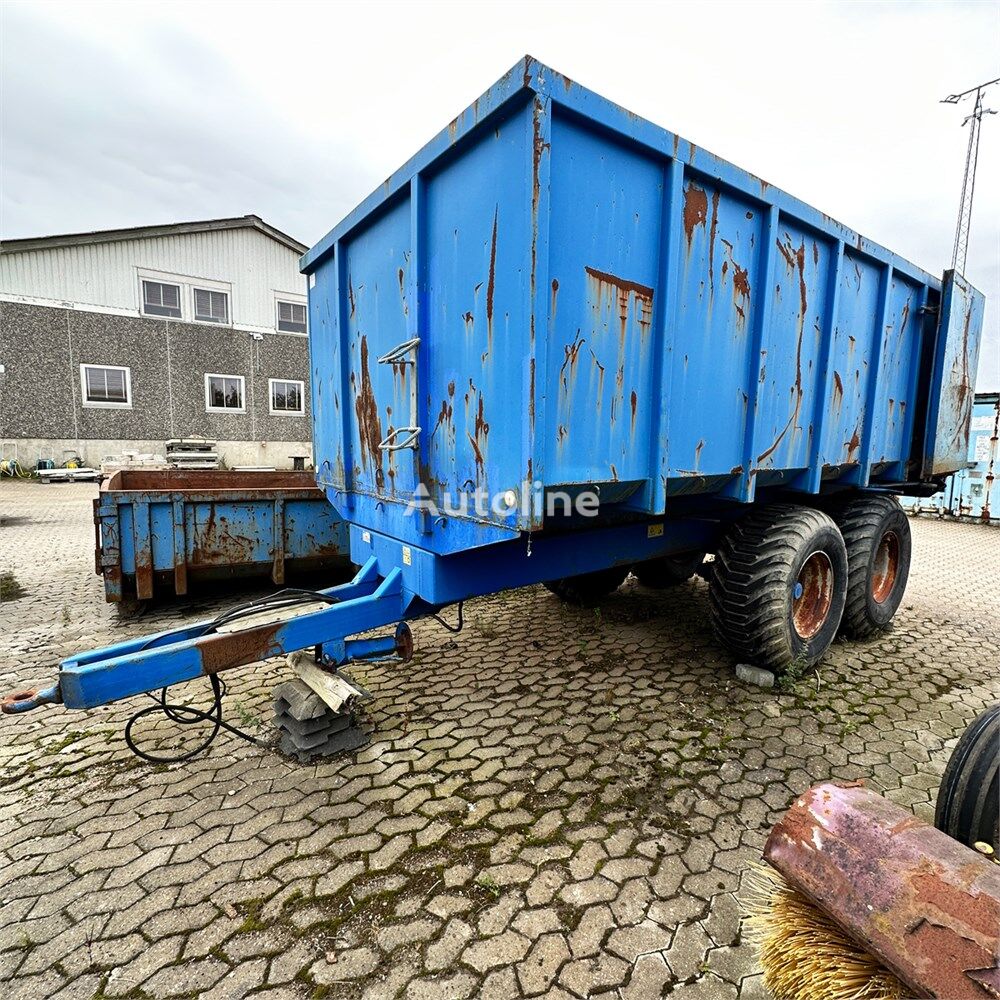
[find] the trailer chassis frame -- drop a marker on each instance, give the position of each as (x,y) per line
(396,583)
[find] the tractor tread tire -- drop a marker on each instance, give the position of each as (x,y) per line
(968,801)
(750,585)
(861,522)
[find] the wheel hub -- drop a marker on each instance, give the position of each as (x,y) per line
(812,595)
(886,567)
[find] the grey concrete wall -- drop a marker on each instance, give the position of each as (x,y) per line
(42,348)
(37,389)
(93,451)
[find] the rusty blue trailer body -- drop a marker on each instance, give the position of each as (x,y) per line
(179,525)
(555,291)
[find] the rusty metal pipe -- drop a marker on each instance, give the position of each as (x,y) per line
(924,905)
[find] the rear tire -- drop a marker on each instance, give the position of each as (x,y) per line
(668,571)
(778,585)
(968,802)
(877,536)
(588,589)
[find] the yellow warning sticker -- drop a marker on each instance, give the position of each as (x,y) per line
(654,531)
(407,556)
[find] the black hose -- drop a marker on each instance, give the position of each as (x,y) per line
(184,715)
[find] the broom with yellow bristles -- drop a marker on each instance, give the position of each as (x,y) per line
(860,900)
(804,955)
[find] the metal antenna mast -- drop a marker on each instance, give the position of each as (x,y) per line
(961,248)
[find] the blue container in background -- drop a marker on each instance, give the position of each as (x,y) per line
(177,526)
(972,492)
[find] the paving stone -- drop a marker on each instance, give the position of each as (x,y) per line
(723,922)
(446,904)
(650,977)
(734,964)
(500,985)
(286,966)
(346,966)
(594,925)
(495,919)
(505,949)
(753,988)
(631,942)
(594,890)
(544,887)
(441,954)
(587,976)
(184,978)
(390,938)
(533,923)
(133,974)
(541,965)
(632,903)
(706,988)
(687,952)
(456,986)
(238,982)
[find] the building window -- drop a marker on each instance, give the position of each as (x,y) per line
(287,396)
(107,386)
(224,394)
(161,299)
(211,307)
(291,317)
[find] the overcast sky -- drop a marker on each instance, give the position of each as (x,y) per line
(127,114)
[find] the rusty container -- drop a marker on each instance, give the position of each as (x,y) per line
(165,529)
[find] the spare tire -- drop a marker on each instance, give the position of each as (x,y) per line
(968,802)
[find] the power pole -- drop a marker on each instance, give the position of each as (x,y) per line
(961,248)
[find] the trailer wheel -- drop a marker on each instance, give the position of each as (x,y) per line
(588,589)
(968,802)
(877,535)
(668,571)
(777,586)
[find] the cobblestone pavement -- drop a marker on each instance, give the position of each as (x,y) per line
(557,802)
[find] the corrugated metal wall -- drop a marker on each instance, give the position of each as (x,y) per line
(106,274)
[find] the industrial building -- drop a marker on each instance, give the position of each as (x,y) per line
(122,339)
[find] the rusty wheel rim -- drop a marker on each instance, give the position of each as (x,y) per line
(886,567)
(812,595)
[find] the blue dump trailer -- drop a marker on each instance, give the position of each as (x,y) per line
(561,344)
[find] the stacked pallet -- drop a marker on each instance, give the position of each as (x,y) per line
(192,453)
(309,727)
